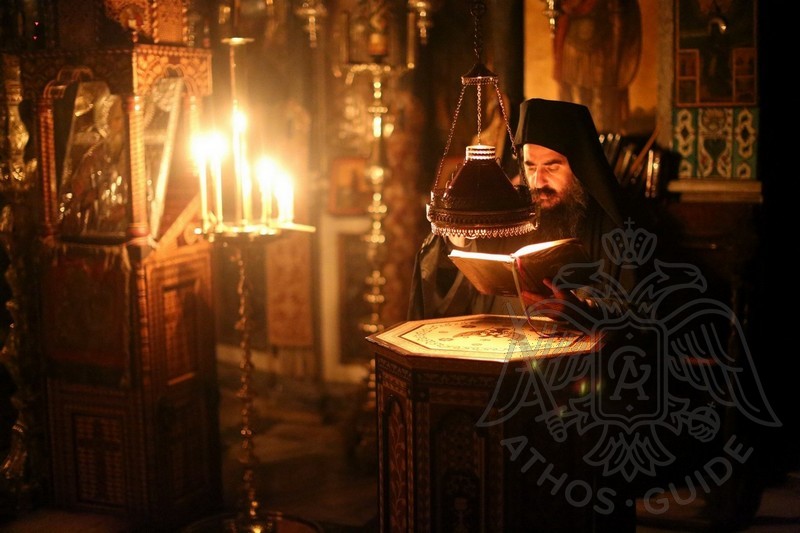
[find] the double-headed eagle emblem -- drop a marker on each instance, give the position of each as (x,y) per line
(672,360)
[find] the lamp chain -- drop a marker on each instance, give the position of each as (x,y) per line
(451,132)
(477,10)
(479,93)
(506,121)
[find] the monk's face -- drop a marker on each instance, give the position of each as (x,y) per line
(549,175)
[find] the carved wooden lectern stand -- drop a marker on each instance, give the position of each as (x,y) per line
(441,469)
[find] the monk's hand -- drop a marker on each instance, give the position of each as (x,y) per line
(556,302)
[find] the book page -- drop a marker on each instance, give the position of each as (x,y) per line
(546,262)
(533,248)
(490,275)
(495,273)
(503,258)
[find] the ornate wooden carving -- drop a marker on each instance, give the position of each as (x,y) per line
(130,69)
(129,344)
(22,468)
(92,23)
(449,472)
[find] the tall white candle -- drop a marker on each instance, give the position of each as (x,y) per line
(199,149)
(247,194)
(284,195)
(216,149)
(238,123)
(265,169)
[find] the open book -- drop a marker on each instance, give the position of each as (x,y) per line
(523,270)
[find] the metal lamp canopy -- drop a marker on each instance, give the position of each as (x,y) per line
(478,200)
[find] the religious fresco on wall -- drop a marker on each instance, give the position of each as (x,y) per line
(597,49)
(716,53)
(715,113)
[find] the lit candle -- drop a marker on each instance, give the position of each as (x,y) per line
(377,126)
(215,148)
(247,194)
(284,196)
(265,169)
(199,149)
(239,123)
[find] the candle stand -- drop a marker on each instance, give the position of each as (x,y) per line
(251,213)
(250,516)
(370,56)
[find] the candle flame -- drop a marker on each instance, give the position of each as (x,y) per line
(199,151)
(275,187)
(239,121)
(215,145)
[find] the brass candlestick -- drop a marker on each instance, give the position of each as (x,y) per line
(250,517)
(371,57)
(242,215)
(249,512)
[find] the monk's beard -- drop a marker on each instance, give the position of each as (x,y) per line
(565,218)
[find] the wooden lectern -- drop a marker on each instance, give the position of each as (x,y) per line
(470,434)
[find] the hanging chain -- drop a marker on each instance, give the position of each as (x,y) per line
(477,10)
(505,120)
(450,134)
(480,113)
